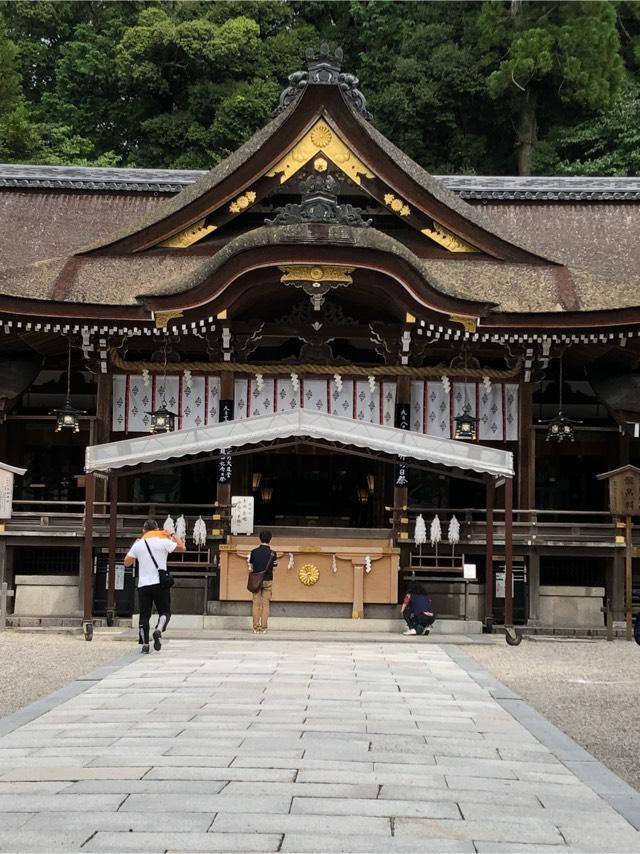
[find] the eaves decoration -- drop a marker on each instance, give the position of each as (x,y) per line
(188,236)
(445,238)
(321,138)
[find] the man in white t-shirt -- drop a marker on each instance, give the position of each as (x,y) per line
(151,552)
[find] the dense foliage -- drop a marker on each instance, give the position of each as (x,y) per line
(491,87)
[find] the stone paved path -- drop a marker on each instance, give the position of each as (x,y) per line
(292,746)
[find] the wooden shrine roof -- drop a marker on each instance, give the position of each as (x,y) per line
(108,239)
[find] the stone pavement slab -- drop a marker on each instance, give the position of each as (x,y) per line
(308,746)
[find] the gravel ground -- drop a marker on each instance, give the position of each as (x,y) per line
(32,665)
(590,690)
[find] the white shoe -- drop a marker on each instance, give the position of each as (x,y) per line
(409,632)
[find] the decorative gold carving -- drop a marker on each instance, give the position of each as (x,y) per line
(222,315)
(320,164)
(320,137)
(409,318)
(309,574)
(324,273)
(242,202)
(470,323)
(162,318)
(190,235)
(447,239)
(397,205)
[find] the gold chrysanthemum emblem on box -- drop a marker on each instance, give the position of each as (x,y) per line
(309,574)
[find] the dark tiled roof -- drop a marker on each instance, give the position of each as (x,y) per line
(171,181)
(96,178)
(552,188)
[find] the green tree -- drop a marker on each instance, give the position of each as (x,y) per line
(419,68)
(540,56)
(608,144)
(17,134)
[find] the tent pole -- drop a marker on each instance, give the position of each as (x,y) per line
(489,577)
(508,551)
(90,494)
(113,529)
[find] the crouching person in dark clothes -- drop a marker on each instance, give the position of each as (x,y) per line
(417,611)
(151,552)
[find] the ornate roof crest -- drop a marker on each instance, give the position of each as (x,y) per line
(323,69)
(319,203)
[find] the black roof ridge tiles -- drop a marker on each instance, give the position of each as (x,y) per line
(478,187)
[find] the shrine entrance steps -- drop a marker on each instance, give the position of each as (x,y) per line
(333,625)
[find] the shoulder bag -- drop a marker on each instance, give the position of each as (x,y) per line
(256,579)
(166,579)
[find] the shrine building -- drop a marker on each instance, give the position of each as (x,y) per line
(400,375)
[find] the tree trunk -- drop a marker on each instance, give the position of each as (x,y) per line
(527,132)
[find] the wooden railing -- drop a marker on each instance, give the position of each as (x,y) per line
(530,527)
(67,517)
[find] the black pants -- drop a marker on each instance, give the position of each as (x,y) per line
(415,621)
(148,596)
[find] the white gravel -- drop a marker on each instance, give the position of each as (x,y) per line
(590,690)
(34,665)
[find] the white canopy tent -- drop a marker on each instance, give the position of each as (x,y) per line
(298,423)
(120,458)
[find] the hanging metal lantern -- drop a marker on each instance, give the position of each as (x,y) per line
(162,420)
(255,480)
(363,495)
(68,418)
(560,429)
(465,425)
(266,493)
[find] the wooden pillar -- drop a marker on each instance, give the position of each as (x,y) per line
(628,586)
(87,617)
(616,588)
(533,574)
(508,551)
(401,493)
(489,582)
(357,611)
(113,532)
(102,425)
(526,451)
(227,387)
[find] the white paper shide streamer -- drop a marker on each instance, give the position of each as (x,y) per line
(334,564)
(420,533)
(367,564)
(453,534)
(291,564)
(200,533)
(181,527)
(168,526)
(436,532)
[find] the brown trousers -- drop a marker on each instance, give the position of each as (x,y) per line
(261,604)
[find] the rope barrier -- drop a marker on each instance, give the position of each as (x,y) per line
(429,372)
